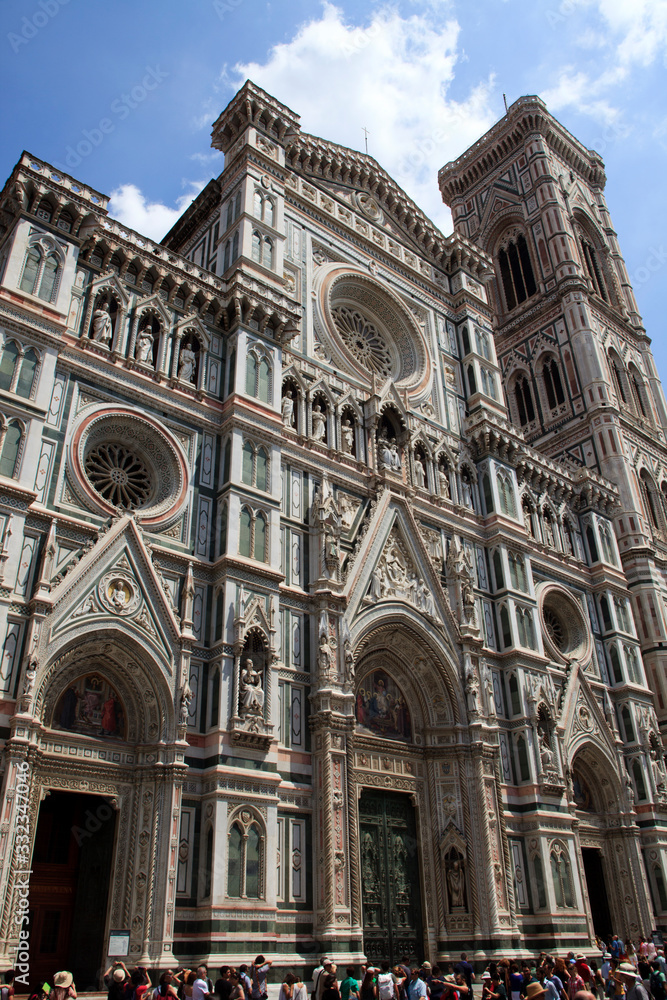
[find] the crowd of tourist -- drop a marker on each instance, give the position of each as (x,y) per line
(623,970)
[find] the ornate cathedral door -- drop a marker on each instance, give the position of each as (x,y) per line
(390,877)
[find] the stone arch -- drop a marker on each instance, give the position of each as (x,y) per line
(419,662)
(121,660)
(596,766)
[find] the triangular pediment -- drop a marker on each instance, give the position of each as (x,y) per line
(581,718)
(114,585)
(397,564)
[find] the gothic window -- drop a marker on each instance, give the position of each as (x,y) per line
(522,756)
(506,494)
(498,569)
(488,495)
(258,377)
(505,626)
(540,888)
(8,364)
(627,725)
(606,616)
(483,344)
(518,571)
(262,249)
(561,875)
(488,383)
(592,547)
(622,615)
(638,775)
(524,621)
(516,272)
(638,390)
(263,208)
(231,251)
(607,543)
(465,340)
(472,383)
(618,377)
(255,467)
(648,493)
(616,669)
(632,661)
(233,208)
(515,700)
(660,886)
(40,274)
(245,852)
(11,439)
(595,272)
(553,385)
(253,532)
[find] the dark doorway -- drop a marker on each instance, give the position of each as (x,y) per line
(597,892)
(69,887)
(390,877)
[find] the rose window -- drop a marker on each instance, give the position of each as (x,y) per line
(554,628)
(118,475)
(363,340)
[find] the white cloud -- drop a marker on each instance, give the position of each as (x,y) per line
(391,76)
(130,206)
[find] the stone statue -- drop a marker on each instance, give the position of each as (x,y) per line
(456,884)
(29,685)
(349,663)
(395,456)
(425,599)
(488,690)
(186,698)
(144,349)
(324,659)
(420,473)
(472,690)
(466,493)
(443,480)
(118,596)
(658,775)
(319,423)
(546,753)
(102,329)
(186,362)
(252,692)
(347,437)
(288,409)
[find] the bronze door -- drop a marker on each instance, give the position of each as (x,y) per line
(390,878)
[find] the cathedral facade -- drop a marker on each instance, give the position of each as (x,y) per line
(332,563)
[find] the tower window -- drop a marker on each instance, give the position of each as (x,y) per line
(553,384)
(516,272)
(524,401)
(593,267)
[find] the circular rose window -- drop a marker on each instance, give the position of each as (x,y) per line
(371,332)
(564,626)
(121,461)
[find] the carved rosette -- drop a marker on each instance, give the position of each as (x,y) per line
(119,593)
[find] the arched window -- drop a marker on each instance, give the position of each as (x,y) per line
(524,621)
(65,222)
(553,385)
(208,864)
(592,547)
(262,249)
(595,272)
(632,660)
(607,543)
(647,489)
(262,470)
(518,571)
(524,401)
(627,725)
(40,274)
(245,533)
(516,272)
(522,755)
(11,438)
(618,376)
(258,377)
(47,285)
(260,538)
(245,865)
(640,786)
(27,374)
(606,616)
(505,627)
(515,700)
(660,886)
(638,391)
(561,875)
(10,355)
(263,207)
(538,871)
(506,494)
(472,384)
(30,271)
(44,210)
(215,699)
(622,616)
(498,569)
(616,669)
(483,345)
(488,495)
(253,534)
(465,341)
(248,464)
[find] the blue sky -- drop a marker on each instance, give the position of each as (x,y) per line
(426,77)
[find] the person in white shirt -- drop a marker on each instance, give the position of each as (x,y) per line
(200,988)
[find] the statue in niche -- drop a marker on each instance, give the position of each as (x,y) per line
(425,599)
(456,883)
(472,690)
(102,328)
(487,680)
(186,363)
(658,773)
(466,493)
(324,659)
(349,663)
(546,753)
(384,449)
(528,520)
(144,349)
(186,698)
(319,423)
(347,437)
(288,409)
(443,480)
(420,473)
(549,532)
(395,456)
(252,692)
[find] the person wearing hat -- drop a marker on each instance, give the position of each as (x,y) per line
(318,984)
(535,991)
(627,976)
(63,986)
